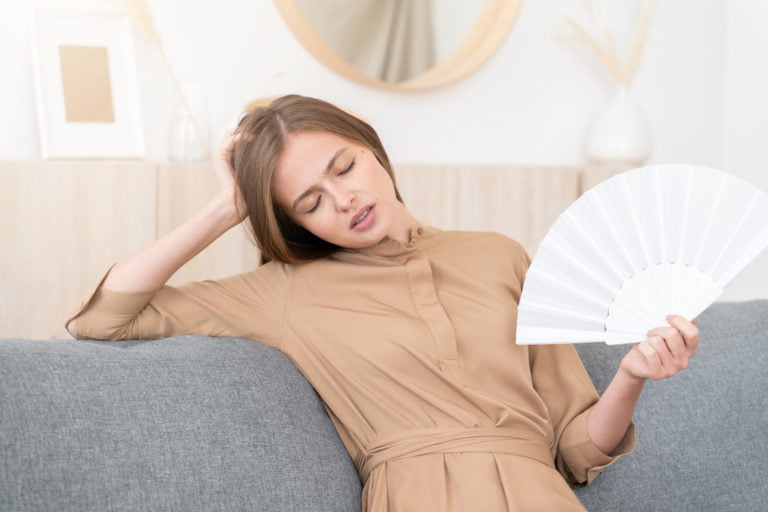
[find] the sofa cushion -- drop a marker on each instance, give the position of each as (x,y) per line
(195,423)
(187,423)
(700,435)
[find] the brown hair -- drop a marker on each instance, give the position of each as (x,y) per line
(255,158)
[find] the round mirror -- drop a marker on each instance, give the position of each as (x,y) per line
(400,44)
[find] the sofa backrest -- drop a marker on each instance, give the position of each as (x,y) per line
(188,423)
(196,423)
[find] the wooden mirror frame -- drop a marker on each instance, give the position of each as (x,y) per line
(485,37)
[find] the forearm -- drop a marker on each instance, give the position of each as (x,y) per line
(610,417)
(150,268)
(665,352)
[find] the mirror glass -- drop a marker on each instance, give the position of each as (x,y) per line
(404,44)
(392,40)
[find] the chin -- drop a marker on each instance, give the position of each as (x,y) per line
(362,240)
(362,244)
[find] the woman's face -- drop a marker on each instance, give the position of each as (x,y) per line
(338,190)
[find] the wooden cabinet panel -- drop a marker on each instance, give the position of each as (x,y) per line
(62,224)
(520,202)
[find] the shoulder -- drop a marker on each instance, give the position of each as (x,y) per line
(272,276)
(486,251)
(488,257)
(492,242)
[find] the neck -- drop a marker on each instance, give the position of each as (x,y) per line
(401,230)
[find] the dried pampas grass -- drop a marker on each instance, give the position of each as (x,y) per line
(621,69)
(143,18)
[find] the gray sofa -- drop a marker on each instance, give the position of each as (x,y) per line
(195,423)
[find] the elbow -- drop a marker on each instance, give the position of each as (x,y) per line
(80,329)
(71,328)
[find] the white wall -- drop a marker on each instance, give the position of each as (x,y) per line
(745,108)
(451,20)
(530,103)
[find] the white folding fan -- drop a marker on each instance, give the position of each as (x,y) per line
(641,245)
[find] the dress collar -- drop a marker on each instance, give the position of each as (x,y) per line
(390,248)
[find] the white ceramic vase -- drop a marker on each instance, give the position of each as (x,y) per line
(620,133)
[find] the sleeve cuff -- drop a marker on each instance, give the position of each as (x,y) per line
(581,458)
(121,307)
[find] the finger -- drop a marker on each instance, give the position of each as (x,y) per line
(653,365)
(689,332)
(228,134)
(673,339)
(240,135)
(668,362)
(227,142)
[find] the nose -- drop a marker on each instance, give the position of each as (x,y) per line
(345,200)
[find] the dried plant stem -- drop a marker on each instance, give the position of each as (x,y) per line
(638,40)
(622,70)
(601,54)
(145,21)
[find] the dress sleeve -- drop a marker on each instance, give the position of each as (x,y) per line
(564,385)
(250,305)
(567,390)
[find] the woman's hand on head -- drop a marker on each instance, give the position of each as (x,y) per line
(665,352)
(225,175)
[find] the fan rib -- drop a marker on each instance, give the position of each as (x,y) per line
(594,245)
(568,257)
(634,217)
(538,307)
(643,308)
(660,213)
(737,229)
(546,276)
(640,310)
(686,207)
(617,309)
(747,256)
(551,335)
(710,221)
(614,233)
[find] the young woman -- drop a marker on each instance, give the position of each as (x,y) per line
(406,332)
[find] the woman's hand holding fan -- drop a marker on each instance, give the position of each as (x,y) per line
(665,352)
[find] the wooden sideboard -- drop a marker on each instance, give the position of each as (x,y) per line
(63,223)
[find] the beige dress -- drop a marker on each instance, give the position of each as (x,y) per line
(412,349)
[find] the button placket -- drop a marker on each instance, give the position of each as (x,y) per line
(425,299)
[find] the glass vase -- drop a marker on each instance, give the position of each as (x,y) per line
(189,134)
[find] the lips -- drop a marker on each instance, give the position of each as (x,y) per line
(360,215)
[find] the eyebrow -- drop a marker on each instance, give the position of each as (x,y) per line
(327,170)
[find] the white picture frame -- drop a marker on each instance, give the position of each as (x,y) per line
(86,85)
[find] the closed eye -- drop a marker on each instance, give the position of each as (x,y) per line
(317,203)
(349,168)
(319,198)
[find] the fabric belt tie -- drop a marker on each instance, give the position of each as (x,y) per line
(415,442)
